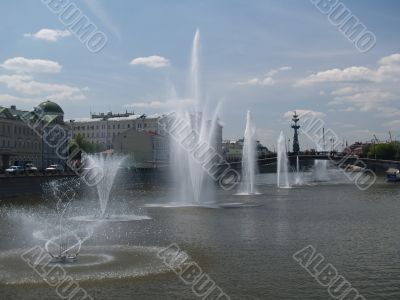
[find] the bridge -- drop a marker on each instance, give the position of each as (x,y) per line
(339,158)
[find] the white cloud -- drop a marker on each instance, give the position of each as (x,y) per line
(257,81)
(391,59)
(388,70)
(153,61)
(304,112)
(26,65)
(366,99)
(364,88)
(391,124)
(348,109)
(164,105)
(25,84)
(49,35)
(6,99)
(345,91)
(267,80)
(352,74)
(276,71)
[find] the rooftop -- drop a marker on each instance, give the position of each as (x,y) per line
(130,117)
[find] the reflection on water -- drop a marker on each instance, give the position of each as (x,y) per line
(248,250)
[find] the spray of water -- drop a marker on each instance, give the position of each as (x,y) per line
(249,156)
(282,171)
(320,170)
(192,183)
(105,166)
(298,176)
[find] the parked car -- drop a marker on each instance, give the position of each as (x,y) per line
(54,169)
(14,170)
(30,168)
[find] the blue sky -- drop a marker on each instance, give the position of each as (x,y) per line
(267,56)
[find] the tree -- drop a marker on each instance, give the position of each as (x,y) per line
(385,151)
(83,145)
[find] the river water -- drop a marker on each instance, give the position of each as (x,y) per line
(247,251)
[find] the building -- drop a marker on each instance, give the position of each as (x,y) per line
(102,128)
(356,148)
(233,149)
(144,149)
(21,133)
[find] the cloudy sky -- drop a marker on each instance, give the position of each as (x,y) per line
(267,56)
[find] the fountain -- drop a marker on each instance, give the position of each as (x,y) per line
(193,187)
(320,170)
(65,246)
(192,184)
(103,169)
(106,166)
(298,178)
(282,171)
(249,156)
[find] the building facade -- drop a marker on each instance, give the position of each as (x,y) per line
(233,149)
(22,132)
(144,149)
(101,129)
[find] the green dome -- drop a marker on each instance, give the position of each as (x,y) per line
(51,107)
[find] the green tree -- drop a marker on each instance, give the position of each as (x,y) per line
(83,145)
(385,151)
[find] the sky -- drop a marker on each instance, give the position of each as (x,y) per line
(267,56)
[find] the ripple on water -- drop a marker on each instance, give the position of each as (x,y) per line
(111,218)
(94,263)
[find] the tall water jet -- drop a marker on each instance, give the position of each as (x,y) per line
(298,177)
(195,70)
(320,170)
(189,175)
(282,171)
(249,156)
(104,169)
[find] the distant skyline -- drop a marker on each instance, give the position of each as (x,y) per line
(269,57)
